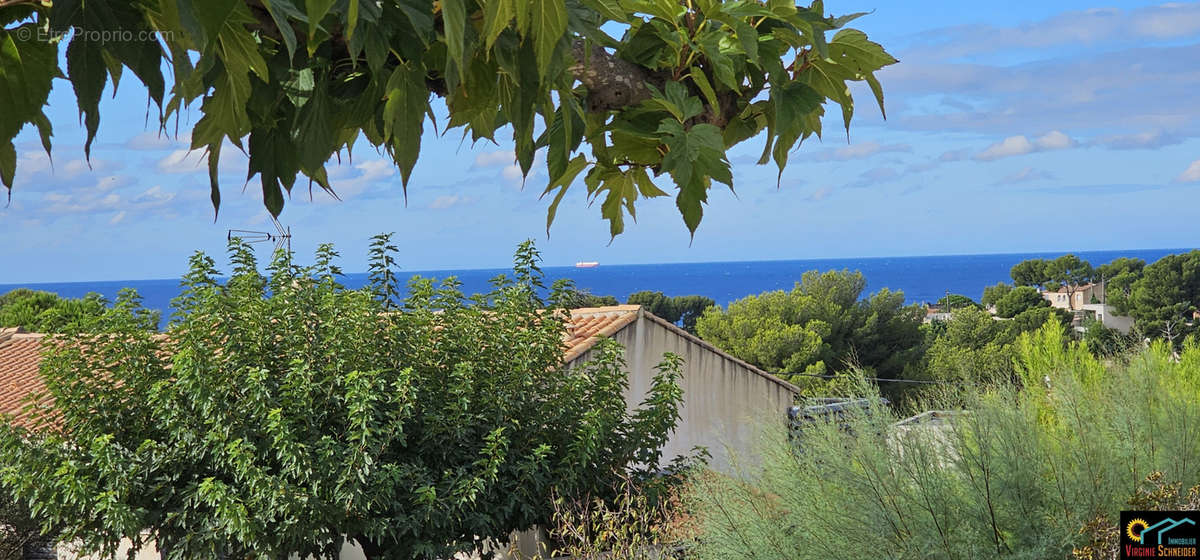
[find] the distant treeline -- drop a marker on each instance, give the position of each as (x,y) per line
(824,328)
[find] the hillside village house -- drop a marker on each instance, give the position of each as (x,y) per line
(1081,301)
(1063,298)
(726,400)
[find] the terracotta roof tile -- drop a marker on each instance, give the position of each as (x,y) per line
(588,325)
(20,354)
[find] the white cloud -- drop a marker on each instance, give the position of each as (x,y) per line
(862,150)
(1191,174)
(32,162)
(511,172)
(1048,89)
(116,219)
(1011,146)
(1020,145)
(75,167)
(820,194)
(1054,140)
(183,161)
(371,172)
(495,159)
(154,196)
(450,200)
(1166,21)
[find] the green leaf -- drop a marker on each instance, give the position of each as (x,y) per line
(562,183)
(351,19)
(841,21)
(829,79)
(549,27)
(316,10)
(212,16)
(695,157)
(645,185)
(454,20)
(497,15)
(746,9)
(610,9)
(280,11)
(8,165)
(877,90)
(272,195)
(27,68)
(748,36)
(214,156)
(794,104)
(419,14)
(852,49)
(706,88)
(88,74)
(404,116)
(675,99)
(621,196)
(722,65)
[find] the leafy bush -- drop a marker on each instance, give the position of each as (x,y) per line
(1019,300)
(679,309)
(45,312)
(992,294)
(284,414)
(820,326)
(571,297)
(1015,476)
(955,301)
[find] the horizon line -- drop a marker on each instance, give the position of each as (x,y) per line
(602,265)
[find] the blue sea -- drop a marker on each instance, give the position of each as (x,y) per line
(922,279)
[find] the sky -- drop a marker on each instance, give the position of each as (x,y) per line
(1012,127)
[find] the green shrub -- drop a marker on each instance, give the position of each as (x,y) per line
(1019,300)
(1017,475)
(45,312)
(284,414)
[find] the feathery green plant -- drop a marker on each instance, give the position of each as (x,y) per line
(1021,473)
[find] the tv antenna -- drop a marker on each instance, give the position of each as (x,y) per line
(282,236)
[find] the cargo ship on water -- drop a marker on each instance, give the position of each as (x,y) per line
(587,264)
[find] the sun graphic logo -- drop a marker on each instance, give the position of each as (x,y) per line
(1134,529)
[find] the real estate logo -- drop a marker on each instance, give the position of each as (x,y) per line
(1160,534)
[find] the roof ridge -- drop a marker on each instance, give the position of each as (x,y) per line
(9,332)
(623,308)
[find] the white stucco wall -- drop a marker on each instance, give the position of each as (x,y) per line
(1109,318)
(725,401)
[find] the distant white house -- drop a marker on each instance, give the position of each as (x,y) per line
(1087,300)
(1074,299)
(1107,315)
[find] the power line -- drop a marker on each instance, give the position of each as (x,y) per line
(880,379)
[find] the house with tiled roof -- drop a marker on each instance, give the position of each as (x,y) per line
(725,400)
